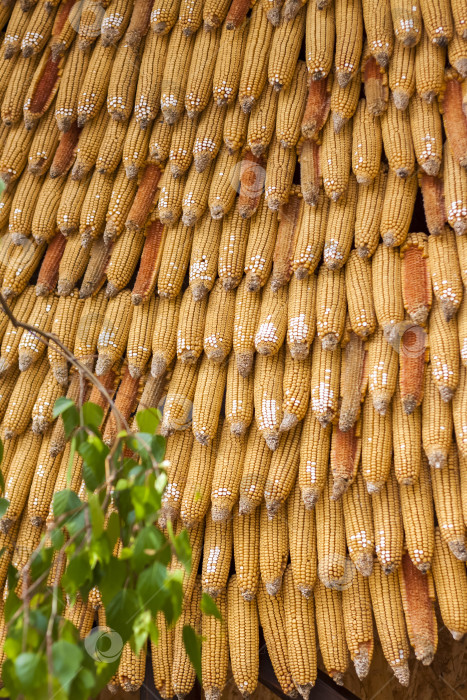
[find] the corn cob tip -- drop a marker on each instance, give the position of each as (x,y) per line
(170,115)
(82,120)
(64,287)
(244,506)
(339,487)
(274,16)
(402,673)
(449,308)
(389,239)
(238,429)
(343,78)
(309,497)
(364,563)
(338,122)
(61,374)
(203,438)
(24,361)
(337,677)
(437,459)
(247,103)
(39,425)
(446,393)
(201,161)
(401,99)
(248,596)
(111,290)
(189,218)
(361,662)
(134,371)
(273,587)
(5,177)
(374,486)
(220,514)
(459,549)
(5,524)
(4,365)
(112,688)
(301,273)
(158,365)
(136,299)
(409,404)
(244,363)
(306,591)
(272,508)
(56,446)
(217,211)
(346,420)
(35,168)
(103,364)
(289,421)
(271,440)
(212,693)
(167,429)
(457,636)
(78,171)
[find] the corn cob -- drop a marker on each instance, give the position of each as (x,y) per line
(462,329)
(290,220)
(401,77)
(436,424)
(407,22)
(252,177)
(444,352)
(344,101)
(237,13)
(243,626)
(196,194)
(201,72)
(208,136)
(190,16)
(320,36)
(96,201)
(445,276)
(280,170)
(314,458)
(42,411)
(125,402)
(247,310)
(325,374)
(455,191)
(358,623)
(397,140)
(18,481)
(274,550)
(333,567)
(111,146)
(354,380)
(15,30)
(297,375)
(115,21)
(42,90)
(96,81)
(379,30)
(177,456)
(358,286)
(71,203)
(238,399)
(268,396)
(72,265)
(260,247)
(285,49)
(81,615)
(224,184)
(114,333)
(418,519)
(246,541)
(310,173)
(38,30)
(214,13)
(159,142)
(87,333)
(216,557)
(94,276)
(164,339)
(311,237)
(139,22)
(330,626)
(218,331)
(48,273)
(282,471)
(146,278)
(235,128)
(22,208)
(7,384)
(413,355)
(340,228)
(389,615)
(121,200)
(169,205)
(65,154)
(255,470)
(21,401)
(43,226)
(459,17)
(457,55)
(89,145)
(429,68)
(302,542)
(5,206)
(425,123)
(262,121)
(407,431)
(8,543)
(418,598)
(272,323)
(197,491)
(375,84)
(175,77)
(14,156)
(77,391)
(335,159)
(164,15)
(183,673)
(454,120)
(180,395)
(387,522)
(144,199)
(437,19)
(207,402)
(227,473)
(20,268)
(131,669)
(451,587)
(64,326)
(349,39)
(140,337)
(366,145)
(416,287)
(181,145)
(345,456)
(254,69)
(448,504)
(398,205)
(359,525)
(135,148)
(232,249)
(215,656)
(44,144)
(31,346)
(301,318)
(386,279)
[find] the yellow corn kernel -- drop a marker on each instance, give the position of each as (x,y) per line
(96,81)
(425,123)
(388,528)
(204,254)
(300,631)
(227,473)
(451,587)
(331,632)
(310,237)
(398,205)
(320,36)
(201,71)
(260,247)
(247,310)
(232,248)
(418,519)
(285,49)
(197,491)
(254,69)
(340,227)
(243,625)
(335,159)
(349,39)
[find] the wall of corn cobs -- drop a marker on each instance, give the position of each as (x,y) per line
(210,203)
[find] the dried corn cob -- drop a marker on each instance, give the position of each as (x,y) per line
(190,16)
(31,346)
(398,205)
(18,413)
(164,15)
(164,340)
(416,286)
(310,174)
(131,669)
(268,396)
(358,623)
(285,49)
(232,249)
(64,327)
(135,148)
(238,399)
(455,191)
(180,395)
(366,145)
(15,30)
(401,76)
(255,470)
(235,127)
(335,159)
(111,146)
(215,657)
(340,227)
(17,87)
(448,504)
(254,69)
(140,337)
(96,201)
(227,473)
(121,200)
(7,384)
(457,55)
(349,39)
(5,206)
(48,273)
(260,247)
(196,194)
(344,101)
(274,552)
(418,519)
(169,205)
(243,625)
(272,323)
(14,155)
(208,136)
(89,144)
(429,68)
(247,310)
(22,208)
(359,526)
(397,140)
(436,424)
(311,236)
(302,543)
(246,541)
(358,285)
(330,626)
(125,402)
(93,90)
(44,144)
(301,316)
(218,330)
(407,433)
(146,278)
(451,587)
(314,458)
(12,334)
(375,84)
(204,252)
(207,402)
(177,455)
(20,268)
(379,30)
(333,567)
(181,145)
(262,121)
(444,352)
(42,411)
(354,380)
(87,333)
(300,630)
(144,199)
(252,176)
(94,276)
(320,36)
(387,522)
(407,21)
(445,272)
(72,264)
(280,170)
(345,456)
(65,155)
(454,120)
(325,374)
(224,184)
(183,673)
(216,558)
(71,203)
(174,81)
(214,13)
(387,296)
(197,491)
(282,471)
(114,333)
(437,19)
(115,21)
(425,123)
(38,30)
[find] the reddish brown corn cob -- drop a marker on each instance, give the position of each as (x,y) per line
(254,70)
(243,625)
(413,356)
(44,144)
(238,399)
(146,279)
(418,519)
(48,273)
(451,587)
(227,473)
(302,542)
(300,630)
(204,256)
(217,553)
(285,49)
(139,22)
(252,177)
(375,84)
(42,90)
(433,203)
(144,199)
(282,471)
(268,396)
(177,455)
(345,456)
(255,469)
(237,13)
(197,491)
(340,227)
(207,401)
(310,175)
(125,402)
(416,284)
(274,552)
(387,522)
(31,346)
(330,625)
(358,623)
(247,310)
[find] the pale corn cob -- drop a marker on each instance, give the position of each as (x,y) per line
(340,227)
(22,207)
(17,88)
(227,473)
(445,272)
(197,491)
(114,332)
(344,101)
(135,148)
(387,522)
(144,199)
(190,329)
(88,146)
(93,91)
(254,69)
(436,423)
(48,272)
(43,145)
(131,669)
(252,177)
(66,104)
(280,170)
(71,202)
(387,290)
(311,236)
(72,264)
(94,276)
(437,20)
(21,266)
(349,39)
(397,140)
(207,401)
(268,396)
(451,587)
(235,127)
(401,75)
(224,184)
(31,346)
(196,194)
(18,481)
(319,38)
(359,525)
(454,119)
(218,329)
(226,78)
(416,283)
(164,340)
(285,49)
(111,146)
(262,121)
(208,136)
(358,623)
(247,310)
(429,68)
(115,21)
(272,323)
(94,208)
(217,554)
(325,375)
(418,597)
(243,625)
(448,505)
(215,656)
(300,631)
(310,173)
(302,542)
(457,55)
(375,84)
(418,518)
(246,542)
(238,399)
(353,380)
(407,21)
(183,673)
(180,395)
(333,567)
(314,457)
(455,191)
(335,159)
(214,13)
(14,155)
(274,550)
(390,623)
(398,205)
(232,248)
(201,71)
(260,246)
(301,316)
(331,632)
(121,199)
(169,205)
(273,8)
(282,471)
(64,326)
(190,16)
(177,455)
(379,30)
(181,145)
(13,335)
(425,123)
(159,141)
(42,411)
(444,352)
(15,30)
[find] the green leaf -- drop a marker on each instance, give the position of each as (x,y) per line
(208,606)
(66,408)
(31,670)
(112,580)
(150,587)
(64,502)
(3,506)
(96,514)
(122,611)
(92,415)
(192,643)
(148,420)
(66,662)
